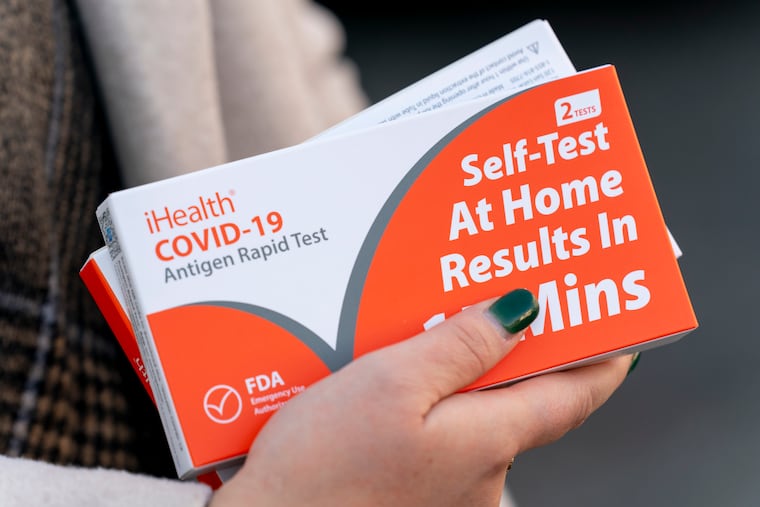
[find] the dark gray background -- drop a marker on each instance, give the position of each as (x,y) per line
(684,430)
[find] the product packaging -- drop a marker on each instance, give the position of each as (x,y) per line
(247,282)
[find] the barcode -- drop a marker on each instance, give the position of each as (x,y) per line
(109,234)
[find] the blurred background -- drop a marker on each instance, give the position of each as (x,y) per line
(684,430)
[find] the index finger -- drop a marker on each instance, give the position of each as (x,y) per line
(503,422)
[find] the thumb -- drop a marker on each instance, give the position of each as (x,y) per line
(464,347)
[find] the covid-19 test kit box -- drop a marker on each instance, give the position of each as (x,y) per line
(247,282)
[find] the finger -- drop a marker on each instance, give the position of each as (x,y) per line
(464,347)
(559,402)
(534,412)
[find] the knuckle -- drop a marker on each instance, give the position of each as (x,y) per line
(584,402)
(473,341)
(561,415)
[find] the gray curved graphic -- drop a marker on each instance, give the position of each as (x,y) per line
(355,288)
(333,359)
(343,353)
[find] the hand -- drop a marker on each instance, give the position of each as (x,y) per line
(390,429)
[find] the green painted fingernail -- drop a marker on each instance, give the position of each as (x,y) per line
(515,310)
(634,362)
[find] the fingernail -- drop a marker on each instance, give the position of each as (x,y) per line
(515,310)
(634,362)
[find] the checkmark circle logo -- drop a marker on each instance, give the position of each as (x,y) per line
(222,404)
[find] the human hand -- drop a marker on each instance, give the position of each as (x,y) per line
(391,428)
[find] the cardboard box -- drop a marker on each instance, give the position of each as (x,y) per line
(100,278)
(249,281)
(525,57)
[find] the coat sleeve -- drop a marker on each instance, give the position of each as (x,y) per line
(25,482)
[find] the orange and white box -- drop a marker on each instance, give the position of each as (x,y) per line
(247,282)
(525,57)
